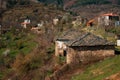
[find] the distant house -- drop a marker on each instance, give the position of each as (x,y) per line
(82,47)
(105,20)
(25,23)
(38,28)
(55,21)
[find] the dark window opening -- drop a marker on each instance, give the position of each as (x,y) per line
(60,55)
(64,52)
(114,18)
(117,52)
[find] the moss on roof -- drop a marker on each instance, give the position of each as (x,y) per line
(81,38)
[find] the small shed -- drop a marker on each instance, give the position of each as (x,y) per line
(82,47)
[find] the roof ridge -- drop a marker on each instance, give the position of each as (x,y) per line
(67,32)
(80,38)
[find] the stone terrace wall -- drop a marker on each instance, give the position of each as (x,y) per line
(78,55)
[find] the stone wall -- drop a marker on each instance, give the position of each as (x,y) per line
(59,48)
(77,55)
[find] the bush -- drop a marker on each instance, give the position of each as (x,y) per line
(20,44)
(115,30)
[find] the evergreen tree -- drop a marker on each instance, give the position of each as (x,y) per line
(60,3)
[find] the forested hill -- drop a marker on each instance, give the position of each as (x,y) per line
(65,3)
(83,2)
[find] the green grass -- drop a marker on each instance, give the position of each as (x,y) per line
(22,43)
(117,48)
(2,50)
(100,70)
(1,74)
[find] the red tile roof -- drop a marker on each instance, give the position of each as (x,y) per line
(110,14)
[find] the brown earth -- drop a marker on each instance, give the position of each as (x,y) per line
(113,77)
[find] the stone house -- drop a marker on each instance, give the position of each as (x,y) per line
(82,47)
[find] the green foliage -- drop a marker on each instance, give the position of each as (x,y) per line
(117,48)
(100,70)
(23,64)
(12,3)
(49,72)
(88,2)
(51,49)
(60,2)
(16,43)
(115,30)
(1,74)
(100,31)
(62,59)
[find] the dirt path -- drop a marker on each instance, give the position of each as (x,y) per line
(68,75)
(81,68)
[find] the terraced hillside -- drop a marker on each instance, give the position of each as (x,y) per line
(25,55)
(101,70)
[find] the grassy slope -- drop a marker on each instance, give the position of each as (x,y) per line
(100,70)
(17,44)
(26,41)
(34,57)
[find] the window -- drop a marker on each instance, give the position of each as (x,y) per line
(64,52)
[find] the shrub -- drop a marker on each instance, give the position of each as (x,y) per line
(114,30)
(20,44)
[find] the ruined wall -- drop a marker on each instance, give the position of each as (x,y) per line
(59,48)
(78,55)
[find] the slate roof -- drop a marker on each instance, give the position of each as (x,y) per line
(70,35)
(80,38)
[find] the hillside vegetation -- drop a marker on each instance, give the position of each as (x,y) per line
(11,44)
(27,55)
(89,2)
(101,70)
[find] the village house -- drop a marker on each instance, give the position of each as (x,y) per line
(38,28)
(55,21)
(108,19)
(25,23)
(82,47)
